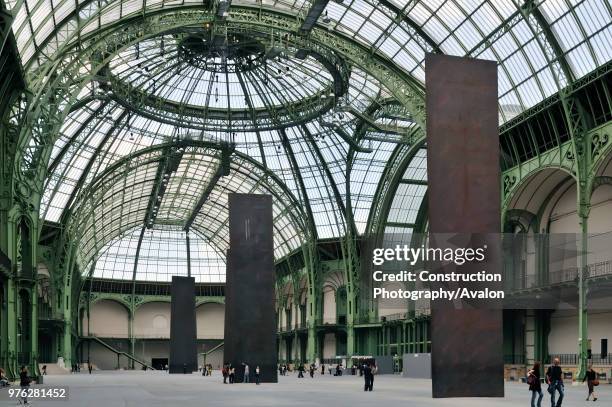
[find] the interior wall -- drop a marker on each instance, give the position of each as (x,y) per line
(109,319)
(600,225)
(563,336)
(152,320)
(210,320)
(563,214)
(329,304)
(388,306)
(565,230)
(329,346)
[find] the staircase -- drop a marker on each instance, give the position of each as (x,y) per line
(219,346)
(115,351)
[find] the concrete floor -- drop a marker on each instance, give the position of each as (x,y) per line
(158,389)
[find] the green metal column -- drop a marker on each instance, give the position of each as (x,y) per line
(65,306)
(11,329)
(583,332)
(313,299)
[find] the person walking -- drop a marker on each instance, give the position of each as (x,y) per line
(24,383)
(301,371)
(592,381)
(367,378)
(232,374)
(257,375)
(535,385)
(224,372)
(246,373)
(312,370)
(89,366)
(322,369)
(554,378)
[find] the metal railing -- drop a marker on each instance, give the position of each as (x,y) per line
(45,312)
(574,359)
(568,275)
(394,317)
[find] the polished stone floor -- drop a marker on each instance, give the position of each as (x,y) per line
(158,389)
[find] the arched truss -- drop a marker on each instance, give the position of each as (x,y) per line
(56,94)
(329,220)
(124,197)
(405,177)
(531,197)
(190,91)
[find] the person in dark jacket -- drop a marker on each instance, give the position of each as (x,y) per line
(368,376)
(24,383)
(554,378)
(232,374)
(535,385)
(590,378)
(225,373)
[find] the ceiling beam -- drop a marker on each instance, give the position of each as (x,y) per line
(222,170)
(313,15)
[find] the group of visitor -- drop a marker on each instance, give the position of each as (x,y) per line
(229,373)
(282,369)
(554,380)
(207,370)
(368,369)
(75,368)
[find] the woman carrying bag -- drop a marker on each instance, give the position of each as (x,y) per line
(591,379)
(535,385)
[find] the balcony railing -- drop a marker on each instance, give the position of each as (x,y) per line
(574,359)
(600,269)
(339,320)
(46,313)
(394,317)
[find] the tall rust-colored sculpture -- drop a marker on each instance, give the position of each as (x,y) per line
(464,209)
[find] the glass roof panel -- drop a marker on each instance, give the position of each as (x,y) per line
(163,254)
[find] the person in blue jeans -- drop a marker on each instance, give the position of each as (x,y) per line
(535,385)
(554,378)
